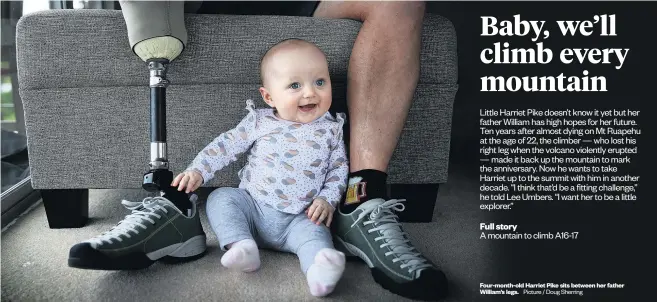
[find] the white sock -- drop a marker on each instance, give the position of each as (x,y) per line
(325,272)
(242,255)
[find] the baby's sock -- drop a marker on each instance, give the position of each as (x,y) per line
(325,272)
(242,255)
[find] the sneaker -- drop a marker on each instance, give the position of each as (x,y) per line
(372,232)
(156,230)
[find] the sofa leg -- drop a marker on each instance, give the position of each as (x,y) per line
(66,208)
(420,201)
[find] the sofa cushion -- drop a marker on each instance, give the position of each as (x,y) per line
(86,95)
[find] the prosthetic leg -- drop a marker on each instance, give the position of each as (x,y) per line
(157,34)
(166,227)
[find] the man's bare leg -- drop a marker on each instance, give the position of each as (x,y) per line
(382,77)
(383,73)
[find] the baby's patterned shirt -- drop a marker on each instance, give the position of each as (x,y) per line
(289,164)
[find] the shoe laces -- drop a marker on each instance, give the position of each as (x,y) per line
(387,224)
(142,212)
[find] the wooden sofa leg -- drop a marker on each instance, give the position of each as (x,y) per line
(66,208)
(420,201)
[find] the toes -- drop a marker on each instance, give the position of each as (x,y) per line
(319,290)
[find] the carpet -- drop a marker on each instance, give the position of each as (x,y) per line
(34,260)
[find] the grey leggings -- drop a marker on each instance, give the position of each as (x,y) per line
(234,215)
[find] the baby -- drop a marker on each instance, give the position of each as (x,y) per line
(295,175)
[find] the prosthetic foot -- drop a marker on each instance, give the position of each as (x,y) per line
(165,227)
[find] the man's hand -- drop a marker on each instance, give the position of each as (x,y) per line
(319,211)
(188,179)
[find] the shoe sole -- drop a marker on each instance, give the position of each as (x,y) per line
(352,253)
(190,250)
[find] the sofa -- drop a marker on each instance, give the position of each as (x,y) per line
(86,101)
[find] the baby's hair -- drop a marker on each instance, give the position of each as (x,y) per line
(289,40)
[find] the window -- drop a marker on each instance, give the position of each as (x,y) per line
(8,108)
(17,193)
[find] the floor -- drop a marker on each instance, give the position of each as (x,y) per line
(34,259)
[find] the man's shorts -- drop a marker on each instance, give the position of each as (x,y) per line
(284,8)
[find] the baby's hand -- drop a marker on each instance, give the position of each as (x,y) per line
(190,179)
(319,211)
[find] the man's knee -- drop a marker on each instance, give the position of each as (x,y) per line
(394,11)
(391,11)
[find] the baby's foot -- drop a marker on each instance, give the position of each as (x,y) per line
(325,272)
(242,255)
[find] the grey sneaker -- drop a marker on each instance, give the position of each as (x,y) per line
(156,230)
(372,232)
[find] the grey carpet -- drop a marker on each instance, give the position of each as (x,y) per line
(34,260)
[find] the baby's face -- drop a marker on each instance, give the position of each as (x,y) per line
(298,84)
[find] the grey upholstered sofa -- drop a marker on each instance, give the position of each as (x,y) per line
(86,100)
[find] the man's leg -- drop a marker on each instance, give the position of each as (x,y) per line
(157,229)
(383,73)
(382,77)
